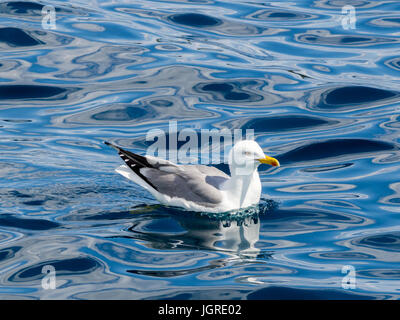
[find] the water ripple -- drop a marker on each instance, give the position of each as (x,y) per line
(322,99)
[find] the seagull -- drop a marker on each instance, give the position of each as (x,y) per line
(200,188)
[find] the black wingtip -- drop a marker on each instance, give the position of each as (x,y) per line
(111,145)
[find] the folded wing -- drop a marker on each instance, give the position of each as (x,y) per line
(196,183)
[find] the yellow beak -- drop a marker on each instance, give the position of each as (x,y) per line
(269,160)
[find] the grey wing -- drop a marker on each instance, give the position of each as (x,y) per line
(214,176)
(189,182)
(197,183)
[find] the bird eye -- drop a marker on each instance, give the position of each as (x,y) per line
(247,153)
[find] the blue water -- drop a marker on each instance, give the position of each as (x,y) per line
(322,99)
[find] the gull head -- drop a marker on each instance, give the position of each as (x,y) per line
(246,156)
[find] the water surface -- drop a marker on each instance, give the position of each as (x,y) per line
(322,99)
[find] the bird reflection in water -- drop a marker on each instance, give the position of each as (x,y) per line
(235,233)
(236,236)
